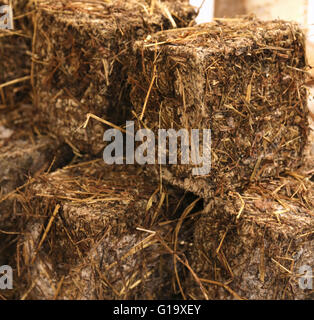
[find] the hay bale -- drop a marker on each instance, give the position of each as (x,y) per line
(15,55)
(82,50)
(242,80)
(93,249)
(23,156)
(253,245)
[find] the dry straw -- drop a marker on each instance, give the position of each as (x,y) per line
(257,241)
(23,157)
(82,52)
(100,232)
(115,232)
(241,78)
(15,52)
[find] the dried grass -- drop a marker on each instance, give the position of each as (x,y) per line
(82,52)
(241,78)
(100,232)
(23,157)
(255,242)
(15,52)
(91,231)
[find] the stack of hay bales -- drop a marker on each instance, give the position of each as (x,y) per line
(84,59)
(24,154)
(237,100)
(242,79)
(95,231)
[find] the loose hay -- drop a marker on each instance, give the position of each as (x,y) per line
(243,80)
(82,58)
(93,233)
(252,245)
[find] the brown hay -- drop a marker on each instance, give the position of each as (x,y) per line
(92,233)
(23,157)
(257,253)
(15,53)
(243,80)
(82,59)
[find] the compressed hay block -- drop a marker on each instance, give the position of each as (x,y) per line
(240,79)
(22,156)
(83,52)
(15,58)
(93,249)
(255,245)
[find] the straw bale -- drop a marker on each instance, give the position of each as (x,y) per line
(252,245)
(23,156)
(82,58)
(93,249)
(242,79)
